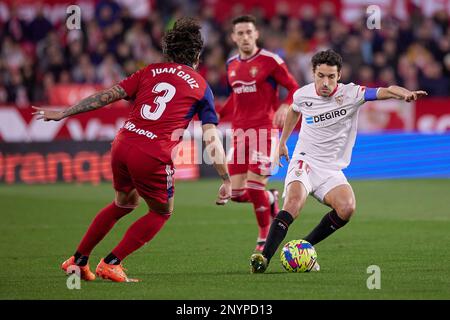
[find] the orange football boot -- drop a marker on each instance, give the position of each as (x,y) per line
(85,272)
(113,272)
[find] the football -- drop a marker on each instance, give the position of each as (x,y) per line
(298,256)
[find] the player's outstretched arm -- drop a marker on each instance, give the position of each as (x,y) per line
(399,93)
(95,101)
(216,154)
(292,118)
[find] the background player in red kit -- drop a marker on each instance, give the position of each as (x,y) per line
(166,97)
(254,75)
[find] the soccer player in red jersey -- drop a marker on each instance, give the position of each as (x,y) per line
(253,76)
(166,97)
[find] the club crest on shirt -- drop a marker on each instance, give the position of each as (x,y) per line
(232,73)
(253,71)
(339,99)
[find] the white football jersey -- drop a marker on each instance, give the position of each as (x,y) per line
(329,124)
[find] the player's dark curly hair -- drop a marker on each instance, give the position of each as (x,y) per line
(328,57)
(183,43)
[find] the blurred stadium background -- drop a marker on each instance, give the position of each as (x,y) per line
(43,63)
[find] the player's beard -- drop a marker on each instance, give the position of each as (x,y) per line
(325,92)
(248,49)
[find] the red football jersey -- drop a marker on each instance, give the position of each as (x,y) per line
(254,85)
(166,97)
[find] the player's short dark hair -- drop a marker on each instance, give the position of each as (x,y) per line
(244,19)
(183,43)
(328,57)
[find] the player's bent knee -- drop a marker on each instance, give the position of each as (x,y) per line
(164,208)
(345,211)
(127,199)
(126,205)
(293,205)
(162,212)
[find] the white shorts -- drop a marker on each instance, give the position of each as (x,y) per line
(318,181)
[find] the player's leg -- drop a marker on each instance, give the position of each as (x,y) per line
(296,190)
(104,221)
(138,234)
(256,189)
(237,167)
(154,182)
(238,182)
(126,199)
(342,200)
(265,203)
(250,191)
(267,148)
(142,230)
(296,194)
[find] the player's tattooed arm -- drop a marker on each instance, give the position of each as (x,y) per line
(93,102)
(97,100)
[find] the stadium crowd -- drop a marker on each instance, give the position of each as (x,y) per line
(37,54)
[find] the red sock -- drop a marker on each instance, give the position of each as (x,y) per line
(258,196)
(100,226)
(140,232)
(240,195)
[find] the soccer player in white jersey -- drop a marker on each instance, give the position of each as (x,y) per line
(326,139)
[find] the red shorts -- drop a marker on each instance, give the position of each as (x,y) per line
(134,169)
(252,150)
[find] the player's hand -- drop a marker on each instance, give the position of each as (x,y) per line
(282,152)
(414,95)
(47,114)
(224,193)
(280,116)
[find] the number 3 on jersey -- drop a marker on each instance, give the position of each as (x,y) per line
(160,101)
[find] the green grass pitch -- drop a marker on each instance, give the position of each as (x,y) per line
(403,226)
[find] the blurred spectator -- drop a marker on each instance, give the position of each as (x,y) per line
(367,46)
(107,12)
(75,51)
(12,54)
(84,71)
(352,54)
(294,41)
(40,26)
(138,41)
(55,63)
(366,77)
(346,73)
(99,53)
(3,91)
(408,73)
(15,28)
(109,72)
(29,79)
(387,77)
(405,35)
(17,93)
(94,36)
(218,85)
(433,81)
(308,15)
